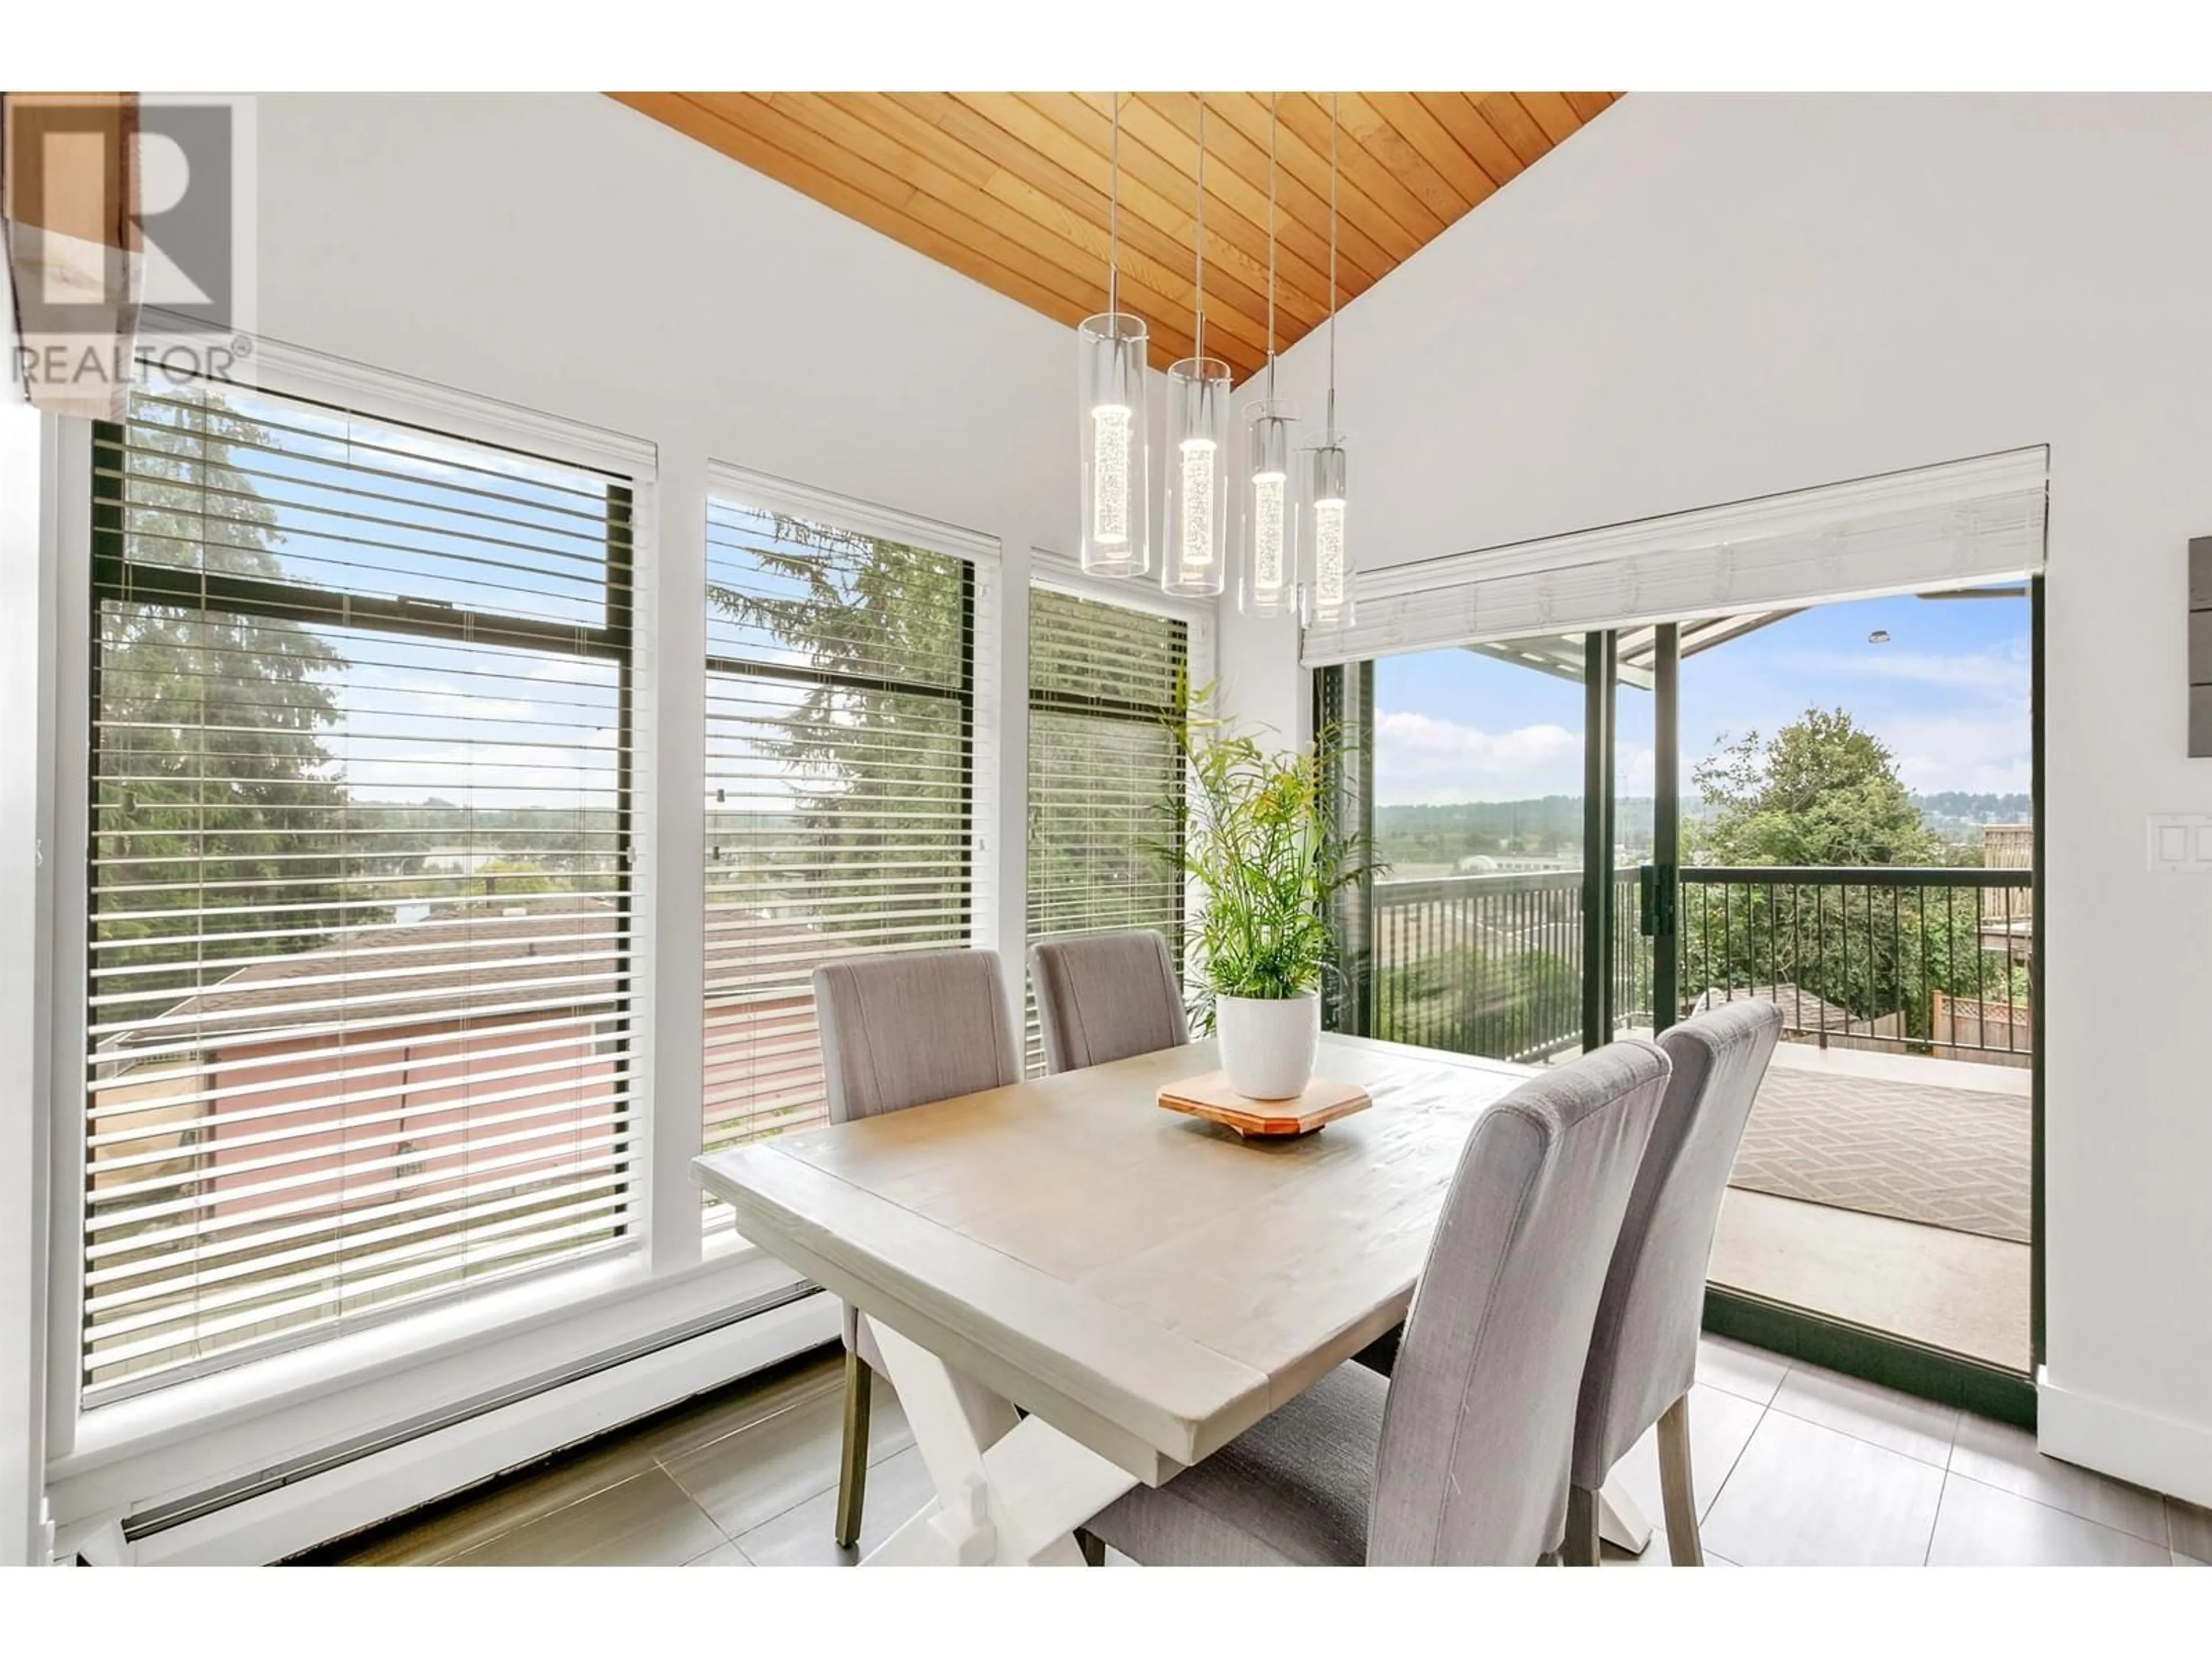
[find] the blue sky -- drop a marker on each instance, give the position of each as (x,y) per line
(1948,692)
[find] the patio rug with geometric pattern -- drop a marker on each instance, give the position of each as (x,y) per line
(1951,1158)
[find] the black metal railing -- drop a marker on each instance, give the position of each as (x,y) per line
(1492,964)
(1905,959)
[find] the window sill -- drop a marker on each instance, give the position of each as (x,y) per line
(182,1439)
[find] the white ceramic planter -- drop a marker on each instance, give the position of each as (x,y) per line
(1268,1046)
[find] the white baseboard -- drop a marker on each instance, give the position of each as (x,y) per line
(2124,1442)
(358,1494)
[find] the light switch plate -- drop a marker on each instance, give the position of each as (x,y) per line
(2200,646)
(2180,842)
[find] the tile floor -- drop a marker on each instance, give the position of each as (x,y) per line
(1794,1465)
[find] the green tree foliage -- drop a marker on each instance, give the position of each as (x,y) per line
(1824,793)
(215,791)
(1819,792)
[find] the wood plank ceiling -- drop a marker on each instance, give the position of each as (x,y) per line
(1011,188)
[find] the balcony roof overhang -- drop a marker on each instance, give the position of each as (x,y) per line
(1561,654)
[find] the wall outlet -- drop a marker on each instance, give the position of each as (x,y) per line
(2181,842)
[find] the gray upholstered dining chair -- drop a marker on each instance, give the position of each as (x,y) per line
(1106,996)
(1643,1352)
(899,1032)
(1461,1455)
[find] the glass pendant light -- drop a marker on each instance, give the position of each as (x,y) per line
(1110,352)
(1196,563)
(1268,587)
(1329,595)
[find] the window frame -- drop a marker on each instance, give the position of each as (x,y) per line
(688,1305)
(114,577)
(962,696)
(1196,631)
(331,1377)
(1201,646)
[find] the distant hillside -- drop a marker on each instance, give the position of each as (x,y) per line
(1956,815)
(1550,814)
(1428,838)
(1422,839)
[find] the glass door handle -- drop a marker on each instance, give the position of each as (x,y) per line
(1654,900)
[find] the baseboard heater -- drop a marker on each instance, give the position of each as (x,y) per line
(180,1511)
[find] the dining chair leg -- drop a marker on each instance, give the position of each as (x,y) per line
(1677,1494)
(1581,1548)
(853,1465)
(1093,1547)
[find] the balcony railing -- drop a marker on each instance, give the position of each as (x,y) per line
(1902,959)
(1914,959)
(1492,964)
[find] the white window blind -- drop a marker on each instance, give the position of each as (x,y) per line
(1961,522)
(1104,779)
(844,772)
(360,1003)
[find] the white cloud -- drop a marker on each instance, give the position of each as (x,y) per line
(1636,769)
(1988,755)
(1419,758)
(1999,674)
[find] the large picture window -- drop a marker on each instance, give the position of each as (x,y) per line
(1106,681)
(360,1011)
(841,814)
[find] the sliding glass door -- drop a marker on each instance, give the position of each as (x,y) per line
(1509,789)
(1862,837)
(1479,925)
(1832,808)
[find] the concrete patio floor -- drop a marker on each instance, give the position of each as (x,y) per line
(1953,1289)
(1958,1291)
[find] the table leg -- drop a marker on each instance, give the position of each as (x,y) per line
(1011,1490)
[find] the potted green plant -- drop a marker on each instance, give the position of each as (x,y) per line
(1261,844)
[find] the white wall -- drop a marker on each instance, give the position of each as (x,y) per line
(566,254)
(1704,298)
(576,257)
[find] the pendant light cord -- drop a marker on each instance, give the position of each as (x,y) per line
(1114,218)
(1274,100)
(1198,244)
(1332,267)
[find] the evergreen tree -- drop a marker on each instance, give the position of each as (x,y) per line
(216,794)
(882,769)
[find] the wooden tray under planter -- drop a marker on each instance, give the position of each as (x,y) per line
(1210,1098)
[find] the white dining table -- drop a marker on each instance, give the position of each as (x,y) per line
(1143,1286)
